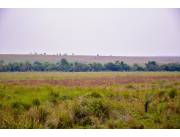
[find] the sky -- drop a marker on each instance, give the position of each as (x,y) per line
(118,32)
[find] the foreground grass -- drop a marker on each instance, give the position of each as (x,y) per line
(153,104)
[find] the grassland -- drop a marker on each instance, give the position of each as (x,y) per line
(90,100)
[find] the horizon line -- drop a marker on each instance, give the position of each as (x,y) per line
(97,55)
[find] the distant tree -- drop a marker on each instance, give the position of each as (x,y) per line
(51,67)
(117,66)
(111,66)
(152,66)
(13,66)
(122,66)
(170,67)
(137,67)
(1,65)
(77,67)
(96,67)
(37,66)
(63,65)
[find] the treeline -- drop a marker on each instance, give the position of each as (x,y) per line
(64,65)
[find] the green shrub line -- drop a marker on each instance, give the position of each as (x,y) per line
(65,66)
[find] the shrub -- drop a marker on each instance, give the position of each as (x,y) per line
(172,93)
(81,114)
(37,115)
(54,94)
(54,97)
(65,97)
(94,95)
(42,115)
(17,105)
(100,108)
(86,108)
(65,121)
(130,86)
(161,94)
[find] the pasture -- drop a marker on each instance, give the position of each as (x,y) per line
(90,100)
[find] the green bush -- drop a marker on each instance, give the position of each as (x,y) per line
(65,121)
(81,113)
(18,105)
(100,108)
(172,93)
(54,97)
(94,95)
(86,108)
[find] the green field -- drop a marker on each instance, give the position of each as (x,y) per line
(90,100)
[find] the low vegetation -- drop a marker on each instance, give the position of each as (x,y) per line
(90,100)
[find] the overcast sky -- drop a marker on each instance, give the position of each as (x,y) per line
(122,32)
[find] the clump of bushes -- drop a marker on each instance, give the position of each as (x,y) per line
(16,105)
(94,95)
(86,108)
(19,106)
(100,108)
(161,94)
(81,113)
(37,115)
(65,121)
(64,97)
(130,86)
(172,93)
(54,97)
(42,115)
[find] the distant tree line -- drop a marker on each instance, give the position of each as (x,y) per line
(65,66)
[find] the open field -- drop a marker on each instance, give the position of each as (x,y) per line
(86,59)
(90,100)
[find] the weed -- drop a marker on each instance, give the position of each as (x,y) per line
(36,102)
(148,99)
